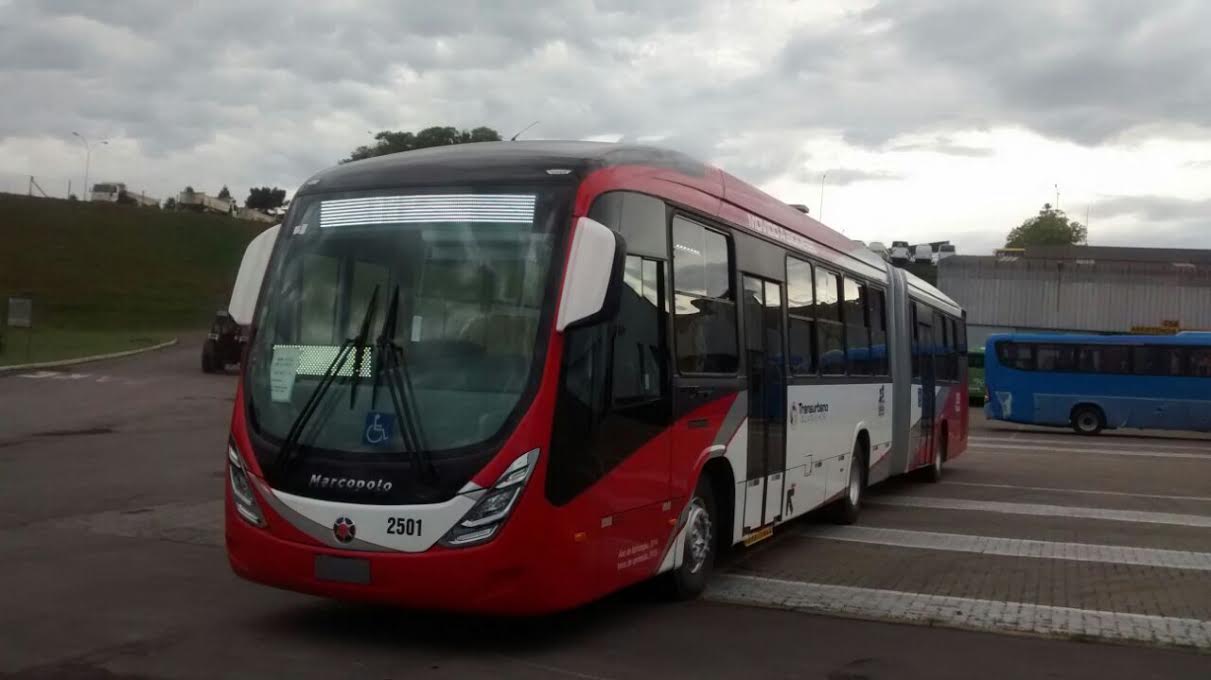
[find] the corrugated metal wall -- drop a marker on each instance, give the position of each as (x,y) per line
(1064,295)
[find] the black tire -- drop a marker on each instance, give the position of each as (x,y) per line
(688,580)
(1088,420)
(933,473)
(845,510)
(209,360)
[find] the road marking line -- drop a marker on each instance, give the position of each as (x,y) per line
(1203,499)
(961,612)
(1042,510)
(1103,442)
(1014,547)
(1003,448)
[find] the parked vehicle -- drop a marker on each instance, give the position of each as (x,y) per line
(515,377)
(224,344)
(976,389)
(1097,382)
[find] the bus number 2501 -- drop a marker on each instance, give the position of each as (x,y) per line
(400,526)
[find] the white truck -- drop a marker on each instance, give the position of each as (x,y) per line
(196,200)
(113,192)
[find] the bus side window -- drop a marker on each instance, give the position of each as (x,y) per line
(857,331)
(801,326)
(1200,362)
(704,307)
(830,332)
(614,387)
(1016,355)
(913,330)
(639,371)
(878,332)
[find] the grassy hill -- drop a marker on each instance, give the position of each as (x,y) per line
(105,277)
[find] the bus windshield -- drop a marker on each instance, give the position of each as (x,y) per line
(470,271)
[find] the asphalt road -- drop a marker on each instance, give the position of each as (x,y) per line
(110,479)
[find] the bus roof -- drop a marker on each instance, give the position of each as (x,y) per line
(922,291)
(1185,339)
(533,161)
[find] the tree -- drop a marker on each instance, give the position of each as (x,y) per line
(1051,227)
(264,198)
(225,193)
(170,203)
(389,141)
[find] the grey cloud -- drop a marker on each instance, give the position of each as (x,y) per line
(282,91)
(1085,70)
(839,177)
(1156,208)
(945,146)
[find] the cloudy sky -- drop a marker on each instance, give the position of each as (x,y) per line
(927,119)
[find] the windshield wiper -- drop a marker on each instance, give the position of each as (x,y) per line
(291,444)
(399,386)
(359,347)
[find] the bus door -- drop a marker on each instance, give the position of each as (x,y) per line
(926,393)
(766,403)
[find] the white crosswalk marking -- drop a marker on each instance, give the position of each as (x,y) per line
(1072,442)
(1057,451)
(1014,547)
(1097,492)
(1041,510)
(958,611)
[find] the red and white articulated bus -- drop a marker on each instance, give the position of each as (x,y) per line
(514,377)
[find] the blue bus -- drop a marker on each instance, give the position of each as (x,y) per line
(1097,382)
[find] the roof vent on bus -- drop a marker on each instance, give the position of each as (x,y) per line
(800,207)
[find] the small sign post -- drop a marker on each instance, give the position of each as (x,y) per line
(21,315)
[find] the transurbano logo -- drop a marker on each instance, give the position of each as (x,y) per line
(802,412)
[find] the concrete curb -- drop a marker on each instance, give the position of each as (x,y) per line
(84,360)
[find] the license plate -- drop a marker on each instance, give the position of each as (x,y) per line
(342,569)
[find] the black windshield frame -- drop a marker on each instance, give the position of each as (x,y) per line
(455,466)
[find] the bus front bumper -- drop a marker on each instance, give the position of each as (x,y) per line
(500,577)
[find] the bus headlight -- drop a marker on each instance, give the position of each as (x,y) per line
(488,515)
(241,488)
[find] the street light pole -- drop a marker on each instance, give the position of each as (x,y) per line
(88,152)
(820,214)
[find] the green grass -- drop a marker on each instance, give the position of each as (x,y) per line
(57,343)
(105,277)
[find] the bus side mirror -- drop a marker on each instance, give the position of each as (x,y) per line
(592,282)
(252,272)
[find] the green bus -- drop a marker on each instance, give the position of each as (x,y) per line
(975,375)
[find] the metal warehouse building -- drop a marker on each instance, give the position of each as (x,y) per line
(1092,289)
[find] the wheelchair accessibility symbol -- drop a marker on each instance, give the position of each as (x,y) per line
(380,427)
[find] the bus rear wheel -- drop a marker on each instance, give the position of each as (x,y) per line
(1088,420)
(845,509)
(933,473)
(688,580)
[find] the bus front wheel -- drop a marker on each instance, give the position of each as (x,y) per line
(1088,420)
(688,580)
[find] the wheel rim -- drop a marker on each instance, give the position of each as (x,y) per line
(698,537)
(937,459)
(1086,421)
(855,484)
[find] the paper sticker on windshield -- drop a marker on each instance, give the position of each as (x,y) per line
(282,371)
(379,429)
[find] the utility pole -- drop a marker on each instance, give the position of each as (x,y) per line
(88,152)
(1057,197)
